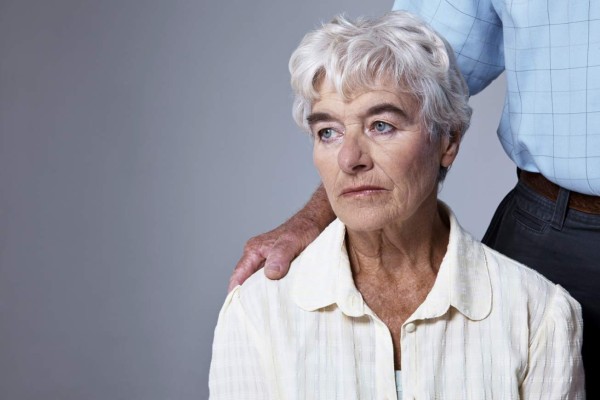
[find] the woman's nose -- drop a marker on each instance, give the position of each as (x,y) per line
(354,155)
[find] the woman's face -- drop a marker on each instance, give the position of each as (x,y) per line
(376,160)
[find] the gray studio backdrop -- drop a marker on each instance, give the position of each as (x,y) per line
(141,143)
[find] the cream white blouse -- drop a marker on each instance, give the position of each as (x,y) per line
(490,328)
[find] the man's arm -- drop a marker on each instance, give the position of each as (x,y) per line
(276,249)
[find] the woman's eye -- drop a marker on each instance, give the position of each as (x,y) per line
(326,133)
(382,127)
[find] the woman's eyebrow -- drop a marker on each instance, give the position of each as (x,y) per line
(375,110)
(385,108)
(319,117)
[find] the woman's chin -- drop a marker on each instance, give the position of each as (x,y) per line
(364,222)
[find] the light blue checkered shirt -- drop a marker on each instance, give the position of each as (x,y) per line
(550,50)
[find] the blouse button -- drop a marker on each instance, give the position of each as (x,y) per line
(410,327)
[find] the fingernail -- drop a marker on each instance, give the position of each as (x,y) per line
(273,268)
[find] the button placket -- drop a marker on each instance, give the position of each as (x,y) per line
(408,343)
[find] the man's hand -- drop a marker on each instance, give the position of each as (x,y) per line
(277,248)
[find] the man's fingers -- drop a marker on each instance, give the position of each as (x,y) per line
(279,258)
(250,262)
(275,250)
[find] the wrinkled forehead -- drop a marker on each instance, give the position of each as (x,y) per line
(351,89)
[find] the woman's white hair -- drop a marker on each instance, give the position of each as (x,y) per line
(358,55)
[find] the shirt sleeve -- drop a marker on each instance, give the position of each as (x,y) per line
(555,368)
(474,30)
(237,369)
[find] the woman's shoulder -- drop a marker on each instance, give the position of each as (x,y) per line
(511,271)
(258,288)
(260,292)
(311,268)
(520,283)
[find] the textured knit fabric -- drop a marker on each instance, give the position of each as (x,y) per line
(550,50)
(489,328)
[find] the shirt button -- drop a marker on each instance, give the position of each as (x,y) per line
(410,327)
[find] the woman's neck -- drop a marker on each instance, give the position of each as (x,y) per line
(414,247)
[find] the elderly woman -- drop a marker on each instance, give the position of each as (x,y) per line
(394,299)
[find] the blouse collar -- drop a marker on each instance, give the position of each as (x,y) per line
(324,277)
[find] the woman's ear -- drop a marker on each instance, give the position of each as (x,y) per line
(450,145)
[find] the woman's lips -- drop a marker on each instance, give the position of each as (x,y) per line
(362,190)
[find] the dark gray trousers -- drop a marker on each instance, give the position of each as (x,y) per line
(562,244)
